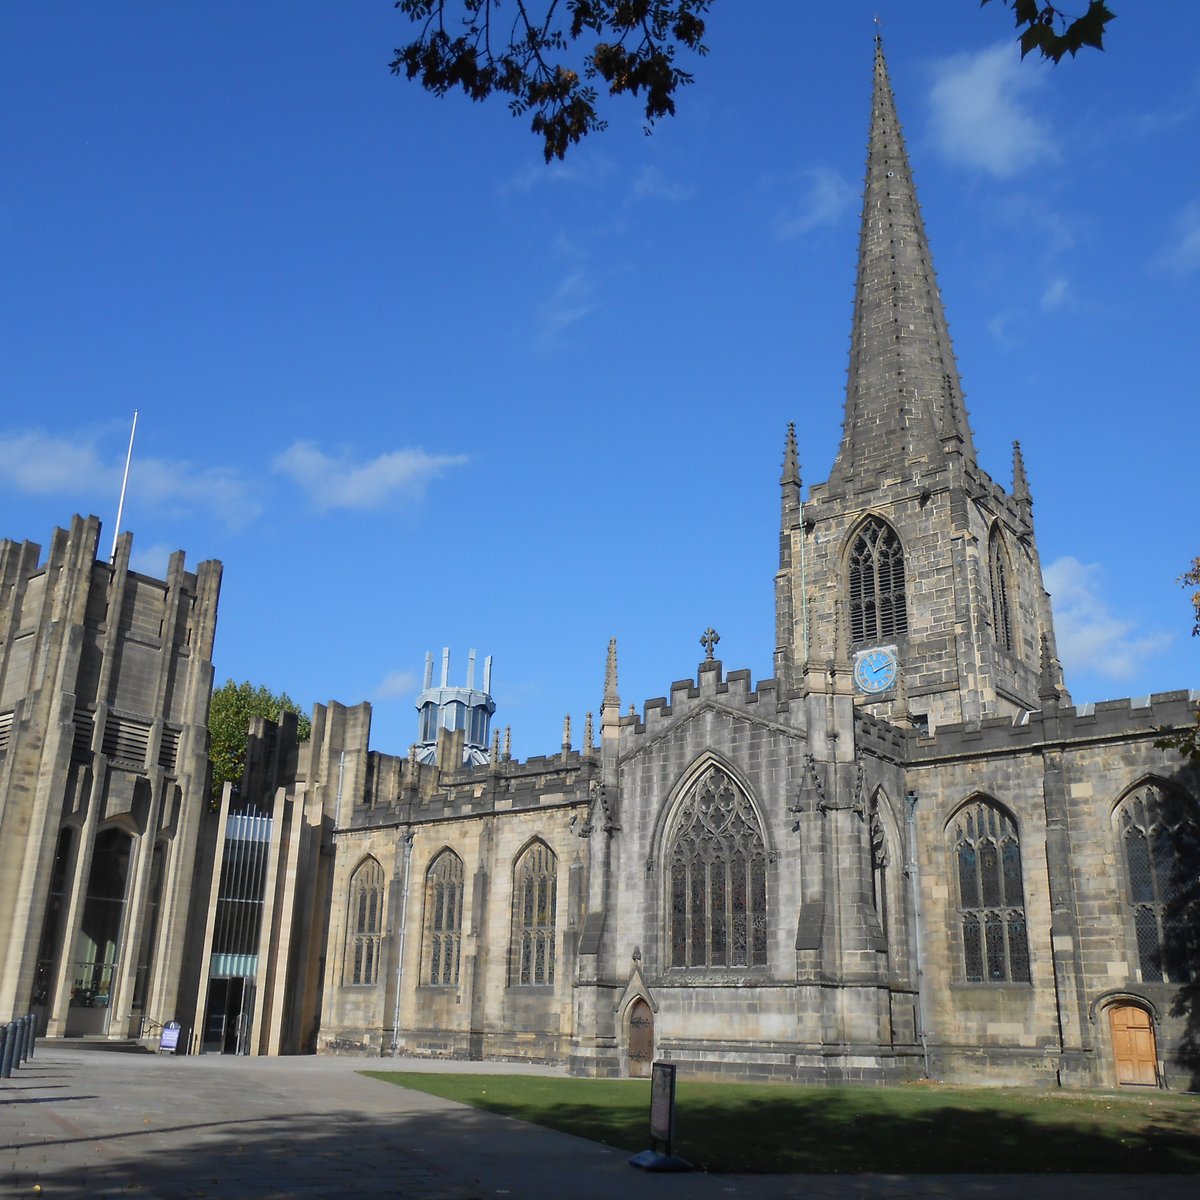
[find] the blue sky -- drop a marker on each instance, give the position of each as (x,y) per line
(416,389)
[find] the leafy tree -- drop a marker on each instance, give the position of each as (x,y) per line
(233,704)
(551,56)
(535,60)
(1046,28)
(1187,741)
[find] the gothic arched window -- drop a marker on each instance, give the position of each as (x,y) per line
(443,918)
(364,923)
(991,902)
(1160,842)
(717,878)
(998,575)
(875,587)
(535,882)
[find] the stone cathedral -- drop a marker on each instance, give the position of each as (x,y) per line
(906,854)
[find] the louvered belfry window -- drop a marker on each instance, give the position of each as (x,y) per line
(365,924)
(987,856)
(443,919)
(1161,843)
(717,875)
(876,584)
(1001,608)
(534,884)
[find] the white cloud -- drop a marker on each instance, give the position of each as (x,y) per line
(340,482)
(979,117)
(581,168)
(1182,255)
(570,302)
(40,464)
(1091,637)
(179,487)
(1056,294)
(152,559)
(395,685)
(651,183)
(824,195)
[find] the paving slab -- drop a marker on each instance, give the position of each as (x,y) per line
(76,1125)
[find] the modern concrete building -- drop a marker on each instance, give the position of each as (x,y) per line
(105,680)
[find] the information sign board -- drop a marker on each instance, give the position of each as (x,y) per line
(662,1105)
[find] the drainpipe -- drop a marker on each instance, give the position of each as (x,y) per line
(911,874)
(408,841)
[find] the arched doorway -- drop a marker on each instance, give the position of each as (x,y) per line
(1135,1051)
(641,1040)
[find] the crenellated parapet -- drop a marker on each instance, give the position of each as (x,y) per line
(766,702)
(1146,718)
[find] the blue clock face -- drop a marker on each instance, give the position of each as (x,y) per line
(875,671)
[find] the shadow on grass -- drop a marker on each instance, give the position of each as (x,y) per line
(907,1130)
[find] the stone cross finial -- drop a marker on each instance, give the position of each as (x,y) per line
(709,639)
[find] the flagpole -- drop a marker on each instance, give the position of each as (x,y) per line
(124,484)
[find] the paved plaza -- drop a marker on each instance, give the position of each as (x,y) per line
(103,1125)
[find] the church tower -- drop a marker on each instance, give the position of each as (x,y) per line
(910,568)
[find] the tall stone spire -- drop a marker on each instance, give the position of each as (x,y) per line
(903,396)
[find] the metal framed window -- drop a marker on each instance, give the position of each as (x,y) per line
(875,585)
(717,879)
(365,924)
(1160,843)
(443,919)
(535,881)
(998,575)
(991,903)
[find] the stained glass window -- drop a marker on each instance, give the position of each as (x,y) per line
(999,577)
(991,903)
(876,584)
(1161,842)
(717,879)
(365,923)
(534,898)
(443,918)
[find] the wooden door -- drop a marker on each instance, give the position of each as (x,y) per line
(641,1040)
(1133,1046)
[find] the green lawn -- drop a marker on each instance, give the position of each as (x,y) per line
(913,1129)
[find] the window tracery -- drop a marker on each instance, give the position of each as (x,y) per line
(443,918)
(534,898)
(875,591)
(1160,842)
(717,878)
(365,924)
(987,856)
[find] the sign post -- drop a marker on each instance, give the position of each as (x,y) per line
(662,1124)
